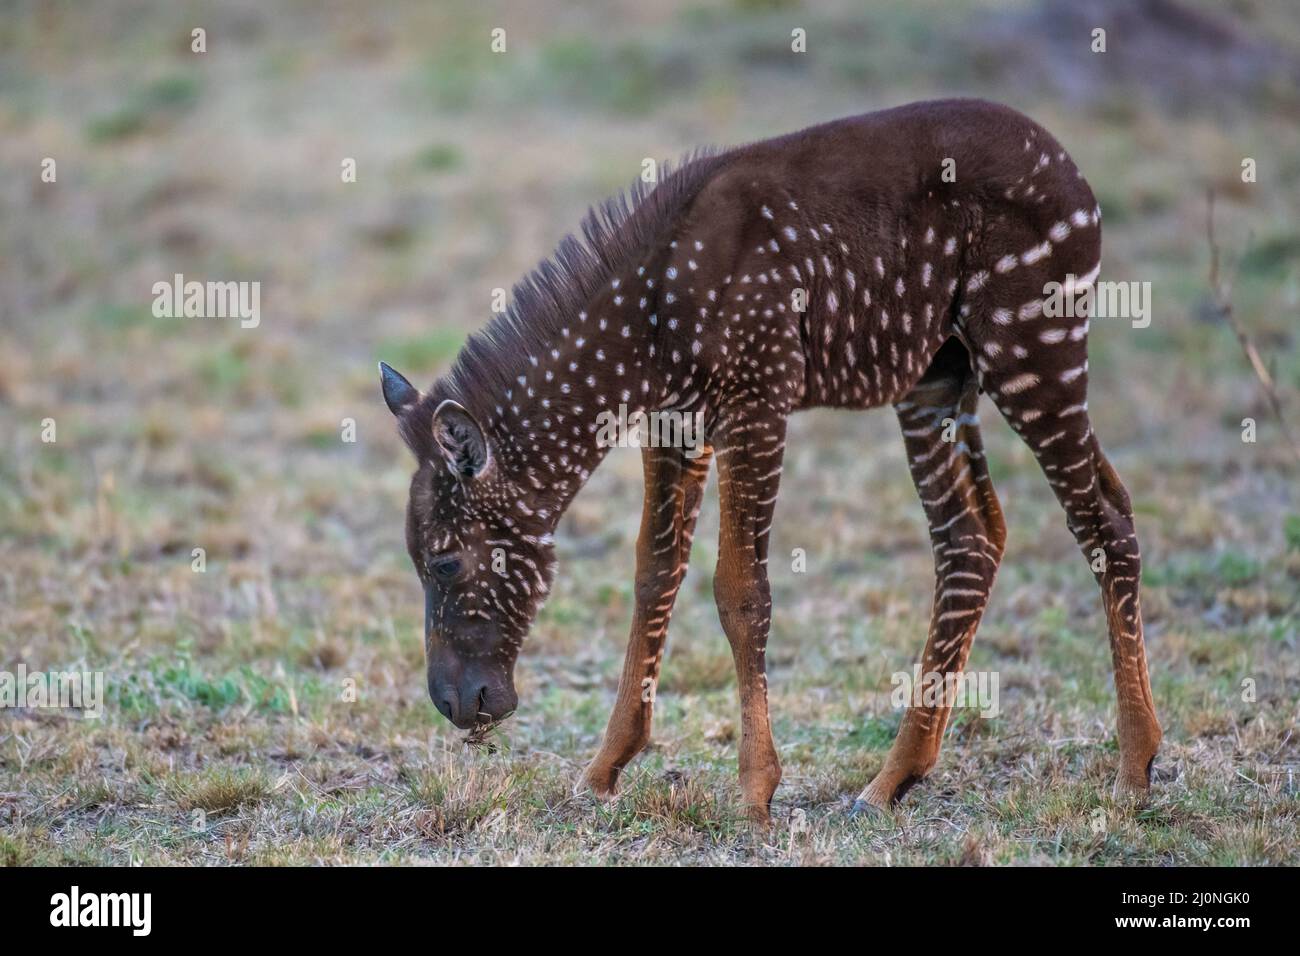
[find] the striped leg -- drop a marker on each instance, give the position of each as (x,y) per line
(1100,516)
(1032,361)
(946,456)
(1036,372)
(674,489)
(1112,529)
(749,473)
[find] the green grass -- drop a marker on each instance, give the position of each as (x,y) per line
(163,99)
(428,352)
(439,157)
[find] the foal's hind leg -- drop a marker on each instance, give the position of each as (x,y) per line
(1045,401)
(1100,516)
(674,488)
(946,456)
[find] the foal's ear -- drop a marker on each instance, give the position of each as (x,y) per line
(460,439)
(398,392)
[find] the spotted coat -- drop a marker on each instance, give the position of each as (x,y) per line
(897,258)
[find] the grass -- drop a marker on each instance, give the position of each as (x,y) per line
(271,707)
(163,99)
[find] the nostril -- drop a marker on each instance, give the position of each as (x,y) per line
(444,708)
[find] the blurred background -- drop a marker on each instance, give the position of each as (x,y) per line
(182,433)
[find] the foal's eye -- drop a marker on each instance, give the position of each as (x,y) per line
(446,568)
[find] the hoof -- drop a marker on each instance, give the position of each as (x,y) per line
(879,798)
(861,808)
(599,786)
(1133,787)
(759,816)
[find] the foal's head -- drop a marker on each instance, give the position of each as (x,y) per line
(481,549)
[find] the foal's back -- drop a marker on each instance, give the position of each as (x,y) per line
(827,267)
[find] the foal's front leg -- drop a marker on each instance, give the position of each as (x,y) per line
(674,488)
(749,472)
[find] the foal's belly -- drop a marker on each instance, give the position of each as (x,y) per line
(868,369)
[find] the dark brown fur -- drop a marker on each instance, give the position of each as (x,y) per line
(917,290)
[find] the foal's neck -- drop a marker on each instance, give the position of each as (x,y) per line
(545,425)
(583,337)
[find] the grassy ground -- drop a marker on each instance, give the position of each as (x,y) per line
(230,734)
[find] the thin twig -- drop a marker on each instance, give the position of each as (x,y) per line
(1222,294)
(1249,780)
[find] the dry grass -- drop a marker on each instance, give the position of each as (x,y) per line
(281,692)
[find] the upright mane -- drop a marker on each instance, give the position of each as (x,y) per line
(614,235)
